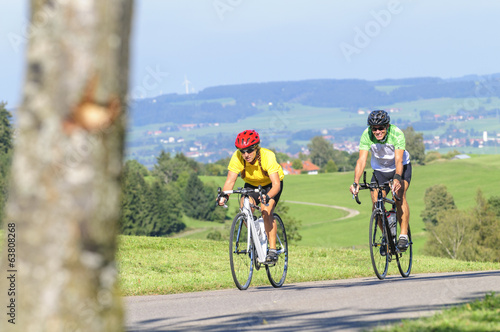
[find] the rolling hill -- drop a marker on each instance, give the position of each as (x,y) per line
(289,114)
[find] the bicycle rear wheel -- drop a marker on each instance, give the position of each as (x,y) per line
(240,259)
(378,239)
(277,273)
(405,258)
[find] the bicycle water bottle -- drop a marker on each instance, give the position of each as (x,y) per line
(261,231)
(391,217)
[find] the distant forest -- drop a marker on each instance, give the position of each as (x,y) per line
(233,102)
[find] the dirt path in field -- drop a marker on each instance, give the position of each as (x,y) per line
(350,212)
(189,232)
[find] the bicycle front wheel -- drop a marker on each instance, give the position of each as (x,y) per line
(240,258)
(379,250)
(277,273)
(405,258)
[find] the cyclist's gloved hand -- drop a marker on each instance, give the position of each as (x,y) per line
(354,188)
(396,186)
(266,198)
(396,183)
(223,200)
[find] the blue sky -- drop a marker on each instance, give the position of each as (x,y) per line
(220,42)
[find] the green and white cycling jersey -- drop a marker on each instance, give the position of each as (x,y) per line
(383,152)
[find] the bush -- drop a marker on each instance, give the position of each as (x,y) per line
(432,156)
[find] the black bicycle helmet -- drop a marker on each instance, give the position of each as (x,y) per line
(378,118)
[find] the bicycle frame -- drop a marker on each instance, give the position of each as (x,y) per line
(256,246)
(379,220)
(261,247)
(253,237)
(380,208)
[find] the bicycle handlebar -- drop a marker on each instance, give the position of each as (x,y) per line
(241,191)
(356,196)
(375,185)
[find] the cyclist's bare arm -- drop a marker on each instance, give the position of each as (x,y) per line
(276,185)
(228,185)
(358,171)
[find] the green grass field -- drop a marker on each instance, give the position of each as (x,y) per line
(479,315)
(151,265)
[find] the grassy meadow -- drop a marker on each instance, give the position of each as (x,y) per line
(479,315)
(154,266)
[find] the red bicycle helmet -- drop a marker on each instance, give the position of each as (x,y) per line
(247,139)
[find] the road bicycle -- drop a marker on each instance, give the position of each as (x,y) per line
(248,246)
(383,233)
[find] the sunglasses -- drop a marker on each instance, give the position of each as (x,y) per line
(249,150)
(377,128)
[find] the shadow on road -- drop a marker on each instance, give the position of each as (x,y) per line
(346,319)
(277,320)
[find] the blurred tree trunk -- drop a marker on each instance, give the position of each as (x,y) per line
(65,194)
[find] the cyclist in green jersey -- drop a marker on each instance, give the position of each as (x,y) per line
(389,160)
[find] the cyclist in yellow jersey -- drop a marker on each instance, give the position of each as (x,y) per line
(258,166)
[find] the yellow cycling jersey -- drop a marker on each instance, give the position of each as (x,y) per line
(254,174)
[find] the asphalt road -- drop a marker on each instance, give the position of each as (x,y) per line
(338,305)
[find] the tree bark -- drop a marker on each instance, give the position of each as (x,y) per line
(64,199)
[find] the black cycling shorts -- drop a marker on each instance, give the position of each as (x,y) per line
(255,195)
(386,176)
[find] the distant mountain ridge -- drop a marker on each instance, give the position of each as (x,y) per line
(230,103)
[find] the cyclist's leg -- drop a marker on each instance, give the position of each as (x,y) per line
(254,197)
(269,223)
(252,201)
(268,215)
(403,209)
(374,195)
(381,178)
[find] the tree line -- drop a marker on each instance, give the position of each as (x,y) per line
(155,201)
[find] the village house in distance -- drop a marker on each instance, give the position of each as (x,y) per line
(307,168)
